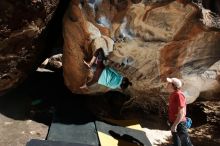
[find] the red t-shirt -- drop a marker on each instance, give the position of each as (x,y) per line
(176,100)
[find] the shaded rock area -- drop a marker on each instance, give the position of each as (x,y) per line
(27,30)
(212,5)
(209,122)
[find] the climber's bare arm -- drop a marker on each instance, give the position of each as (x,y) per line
(92,61)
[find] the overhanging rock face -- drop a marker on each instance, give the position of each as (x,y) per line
(151,41)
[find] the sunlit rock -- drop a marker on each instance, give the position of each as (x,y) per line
(152,41)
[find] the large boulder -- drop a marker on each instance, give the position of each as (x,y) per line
(152,41)
(22,38)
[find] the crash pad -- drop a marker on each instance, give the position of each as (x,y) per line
(132,124)
(37,142)
(73,130)
(114,135)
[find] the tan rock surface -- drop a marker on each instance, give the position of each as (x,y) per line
(151,42)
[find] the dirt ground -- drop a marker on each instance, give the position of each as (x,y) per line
(25,113)
(17,127)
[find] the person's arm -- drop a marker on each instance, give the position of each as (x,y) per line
(179,117)
(92,61)
(95,55)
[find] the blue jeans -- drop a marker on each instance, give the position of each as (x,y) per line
(181,137)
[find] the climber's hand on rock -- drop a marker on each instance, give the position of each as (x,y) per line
(86,63)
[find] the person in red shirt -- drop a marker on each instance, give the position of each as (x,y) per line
(177,113)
